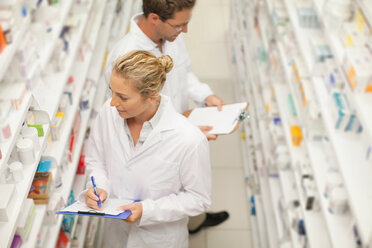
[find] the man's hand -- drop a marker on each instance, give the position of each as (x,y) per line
(136,209)
(214,100)
(91,198)
(204,129)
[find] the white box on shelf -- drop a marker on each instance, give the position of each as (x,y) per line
(358,64)
(26,218)
(8,194)
(321,53)
(55,128)
(333,78)
(341,111)
(351,37)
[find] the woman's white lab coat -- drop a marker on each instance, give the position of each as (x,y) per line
(170,174)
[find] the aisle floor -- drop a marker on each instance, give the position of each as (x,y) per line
(207,43)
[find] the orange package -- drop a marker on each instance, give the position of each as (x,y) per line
(2,40)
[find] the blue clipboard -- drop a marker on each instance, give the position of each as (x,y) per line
(122,215)
(83,210)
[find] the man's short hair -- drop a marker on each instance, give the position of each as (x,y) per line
(165,9)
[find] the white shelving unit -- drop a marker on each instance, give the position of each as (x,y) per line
(79,72)
(7,55)
(16,119)
(258,49)
(68,178)
(47,97)
(46,53)
(36,226)
(7,229)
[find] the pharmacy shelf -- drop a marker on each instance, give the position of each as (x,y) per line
(83,231)
(76,219)
(100,48)
(7,55)
(49,95)
(52,238)
(260,224)
(79,185)
(357,178)
(128,13)
(68,177)
(256,234)
(319,7)
(338,226)
(275,189)
(7,229)
(96,67)
(56,31)
(303,35)
(46,53)
(366,7)
(57,148)
(79,72)
(314,221)
(36,226)
(16,118)
(95,21)
(120,24)
(268,208)
(362,101)
(290,194)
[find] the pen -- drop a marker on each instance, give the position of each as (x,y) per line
(96,192)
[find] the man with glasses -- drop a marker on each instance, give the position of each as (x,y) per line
(158,30)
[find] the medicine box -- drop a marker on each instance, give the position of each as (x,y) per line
(55,128)
(358,64)
(344,116)
(8,199)
(351,37)
(296,134)
(40,188)
(26,219)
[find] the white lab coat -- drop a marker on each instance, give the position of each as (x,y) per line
(170,174)
(181,84)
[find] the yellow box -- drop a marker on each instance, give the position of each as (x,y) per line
(296,135)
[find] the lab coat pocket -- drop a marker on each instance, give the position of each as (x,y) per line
(164,175)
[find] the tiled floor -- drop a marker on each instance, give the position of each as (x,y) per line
(207,44)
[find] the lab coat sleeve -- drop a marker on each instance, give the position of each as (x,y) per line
(195,198)
(95,157)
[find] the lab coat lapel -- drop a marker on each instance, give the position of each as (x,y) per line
(123,137)
(165,124)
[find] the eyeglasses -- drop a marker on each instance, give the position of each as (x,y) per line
(178,27)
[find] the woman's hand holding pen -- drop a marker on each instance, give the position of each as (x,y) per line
(136,209)
(91,198)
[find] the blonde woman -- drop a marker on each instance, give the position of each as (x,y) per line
(142,149)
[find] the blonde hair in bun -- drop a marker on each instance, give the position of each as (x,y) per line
(147,72)
(167,62)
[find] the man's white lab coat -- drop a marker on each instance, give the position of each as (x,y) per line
(181,84)
(170,174)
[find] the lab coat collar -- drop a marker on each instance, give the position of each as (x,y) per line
(165,124)
(146,43)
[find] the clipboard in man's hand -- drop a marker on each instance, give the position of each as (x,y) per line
(225,121)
